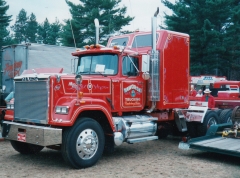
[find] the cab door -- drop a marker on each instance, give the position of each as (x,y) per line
(132,86)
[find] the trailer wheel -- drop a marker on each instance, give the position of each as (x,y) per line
(83,144)
(225,116)
(26,148)
(218,111)
(211,118)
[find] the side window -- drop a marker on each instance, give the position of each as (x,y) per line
(127,66)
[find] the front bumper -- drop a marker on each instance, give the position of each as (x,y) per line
(38,135)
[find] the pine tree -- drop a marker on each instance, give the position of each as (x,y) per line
(207,22)
(20,27)
(43,30)
(4,22)
(31,29)
(53,34)
(232,44)
(111,19)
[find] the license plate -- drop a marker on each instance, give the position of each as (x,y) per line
(183,146)
(21,137)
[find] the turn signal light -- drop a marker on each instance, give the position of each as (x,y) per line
(98,46)
(115,47)
(80,95)
(87,47)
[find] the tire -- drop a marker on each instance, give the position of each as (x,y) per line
(26,148)
(218,111)
(211,118)
(83,143)
(192,129)
(225,116)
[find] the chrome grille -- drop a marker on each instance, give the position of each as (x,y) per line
(31,101)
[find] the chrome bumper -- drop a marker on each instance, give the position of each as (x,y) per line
(38,135)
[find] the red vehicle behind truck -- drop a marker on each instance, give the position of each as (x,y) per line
(226,96)
(117,95)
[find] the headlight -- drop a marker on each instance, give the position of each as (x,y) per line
(61,109)
(10,106)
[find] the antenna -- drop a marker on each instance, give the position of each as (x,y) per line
(72,33)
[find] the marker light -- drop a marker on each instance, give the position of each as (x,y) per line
(87,47)
(80,95)
(116,47)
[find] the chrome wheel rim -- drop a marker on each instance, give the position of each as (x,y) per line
(229,120)
(212,121)
(87,144)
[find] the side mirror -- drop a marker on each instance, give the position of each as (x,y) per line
(145,75)
(145,63)
(145,67)
(74,65)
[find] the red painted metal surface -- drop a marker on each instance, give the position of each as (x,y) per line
(118,94)
(174,66)
(225,99)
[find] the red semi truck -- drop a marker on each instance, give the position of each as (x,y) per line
(198,118)
(117,95)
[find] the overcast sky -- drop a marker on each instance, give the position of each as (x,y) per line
(142,10)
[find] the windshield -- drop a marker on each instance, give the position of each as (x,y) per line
(143,41)
(98,64)
(119,41)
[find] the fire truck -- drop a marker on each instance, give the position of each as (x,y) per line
(226,96)
(205,80)
(116,96)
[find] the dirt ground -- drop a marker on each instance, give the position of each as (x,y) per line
(159,158)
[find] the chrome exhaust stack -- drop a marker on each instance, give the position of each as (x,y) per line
(96,22)
(154,30)
(153,82)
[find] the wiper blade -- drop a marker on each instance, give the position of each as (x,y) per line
(99,73)
(85,72)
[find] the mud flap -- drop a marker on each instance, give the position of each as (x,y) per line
(196,111)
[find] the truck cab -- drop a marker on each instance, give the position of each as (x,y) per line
(115,95)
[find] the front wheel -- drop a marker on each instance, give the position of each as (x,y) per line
(211,118)
(26,148)
(83,143)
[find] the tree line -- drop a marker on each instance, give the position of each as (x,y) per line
(213,26)
(214,29)
(77,31)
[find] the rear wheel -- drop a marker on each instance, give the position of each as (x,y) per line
(225,116)
(83,143)
(26,148)
(211,118)
(218,111)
